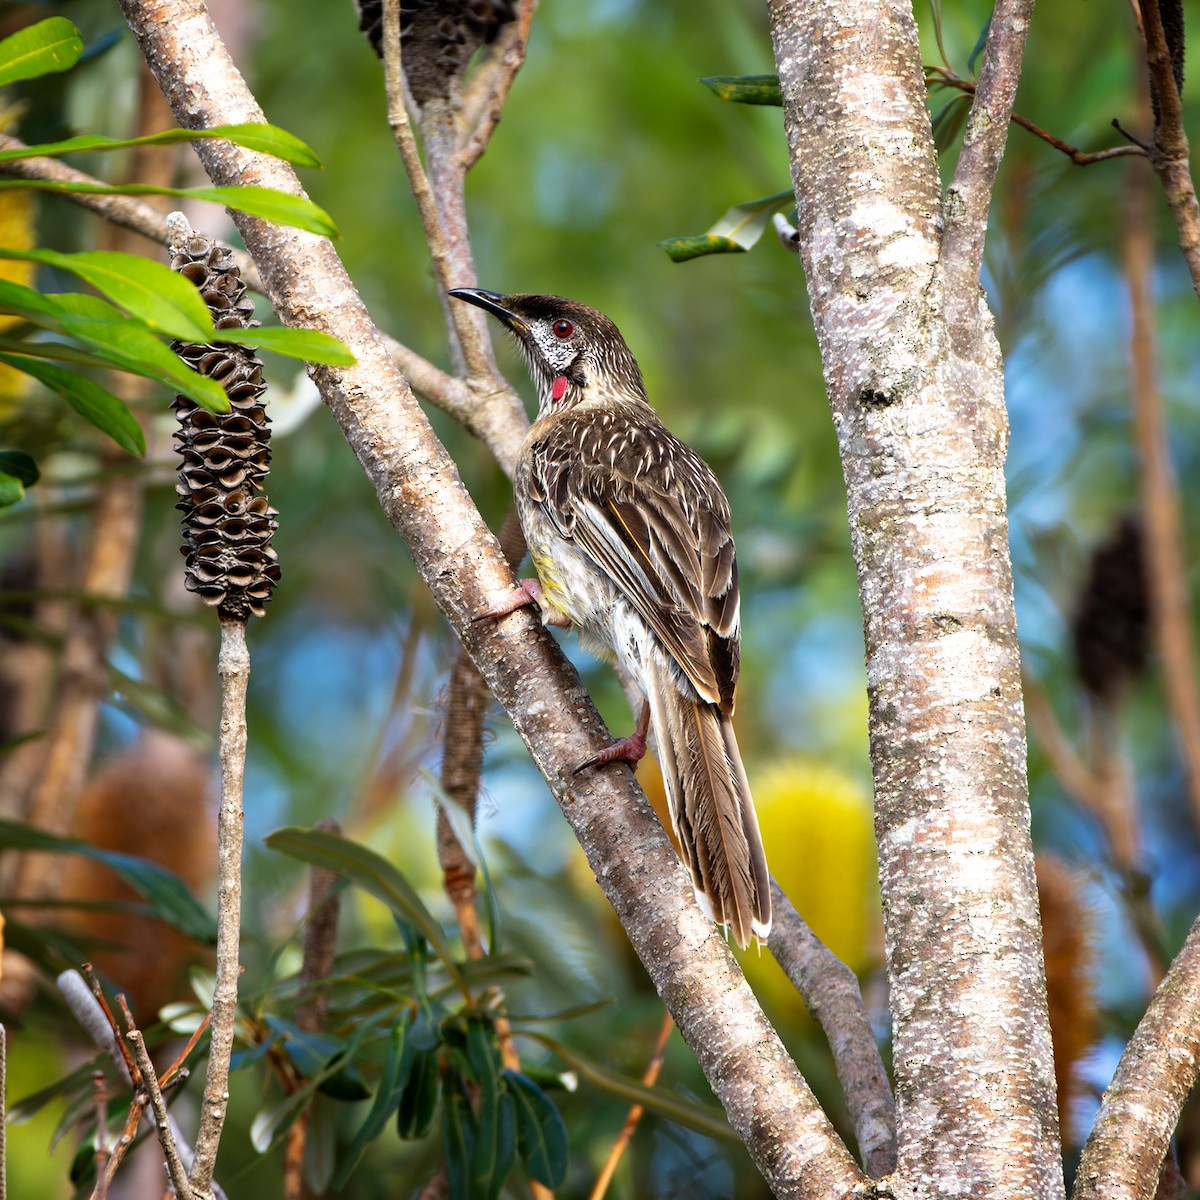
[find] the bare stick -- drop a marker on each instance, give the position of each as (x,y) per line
(1081,158)
(100,1094)
(649,1078)
(234,669)
(832,996)
(162,1119)
(970,192)
(1140,1109)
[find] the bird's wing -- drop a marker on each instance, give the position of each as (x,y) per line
(651,514)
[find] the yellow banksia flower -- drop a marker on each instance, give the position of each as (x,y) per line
(16,233)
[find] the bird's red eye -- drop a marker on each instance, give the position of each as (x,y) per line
(563,329)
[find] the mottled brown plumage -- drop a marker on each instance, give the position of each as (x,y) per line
(629,532)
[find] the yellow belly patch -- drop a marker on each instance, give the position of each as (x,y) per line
(553,593)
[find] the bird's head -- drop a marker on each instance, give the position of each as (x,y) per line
(574,352)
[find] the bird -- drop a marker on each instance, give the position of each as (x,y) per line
(629,533)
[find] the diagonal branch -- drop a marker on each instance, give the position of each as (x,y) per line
(969,195)
(768,1102)
(1141,1107)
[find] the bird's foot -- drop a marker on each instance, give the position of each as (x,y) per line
(630,749)
(527,592)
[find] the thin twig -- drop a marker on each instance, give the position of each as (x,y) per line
(1162,518)
(100,1095)
(649,1078)
(115,1044)
(1081,158)
(162,1119)
(234,669)
(831,994)
(483,98)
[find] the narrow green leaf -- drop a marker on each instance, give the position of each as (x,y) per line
(92,402)
(680,249)
(949,120)
(20,466)
(396,1069)
(708,1121)
(42,49)
(26,302)
(418,1103)
(746,89)
(541,1132)
(495,1141)
(270,205)
(158,296)
(12,490)
(458,1139)
(372,873)
(163,890)
(269,139)
(310,345)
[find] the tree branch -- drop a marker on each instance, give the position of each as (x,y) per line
(969,195)
(832,996)
(917,392)
(418,485)
(1141,1107)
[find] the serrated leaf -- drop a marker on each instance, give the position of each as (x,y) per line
(541,1132)
(42,49)
(12,490)
(746,89)
(163,890)
(418,1102)
(737,229)
(161,298)
(270,205)
(94,403)
(268,139)
(20,466)
(371,872)
(396,1068)
(309,345)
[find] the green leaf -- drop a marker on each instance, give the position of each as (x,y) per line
(12,490)
(680,249)
(949,120)
(708,1121)
(20,466)
(396,1069)
(372,873)
(310,345)
(163,890)
(414,1114)
(269,139)
(42,49)
(495,1142)
(541,1132)
(737,229)
(266,203)
(746,89)
(92,402)
(458,1139)
(161,298)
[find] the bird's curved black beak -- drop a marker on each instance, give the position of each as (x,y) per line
(490,302)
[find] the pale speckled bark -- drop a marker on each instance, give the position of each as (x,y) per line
(919,412)
(768,1102)
(1125,1150)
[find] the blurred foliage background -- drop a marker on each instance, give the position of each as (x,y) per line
(609,144)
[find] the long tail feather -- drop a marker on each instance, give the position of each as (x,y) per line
(711,809)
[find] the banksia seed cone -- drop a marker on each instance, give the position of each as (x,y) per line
(438,37)
(1111,625)
(228,525)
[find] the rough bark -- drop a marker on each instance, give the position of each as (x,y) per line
(419,488)
(918,405)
